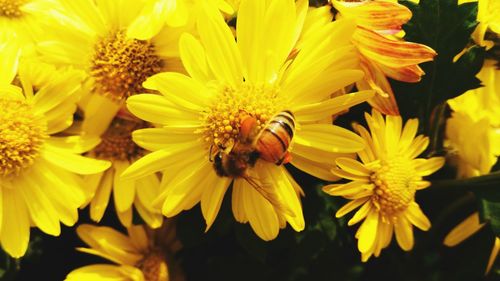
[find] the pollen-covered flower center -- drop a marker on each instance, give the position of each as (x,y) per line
(234,104)
(120,65)
(395,185)
(154,267)
(11,8)
(22,134)
(116,142)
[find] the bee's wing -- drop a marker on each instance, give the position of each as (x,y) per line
(270,195)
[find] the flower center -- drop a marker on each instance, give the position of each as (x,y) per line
(395,185)
(154,267)
(11,8)
(116,142)
(121,64)
(22,133)
(233,104)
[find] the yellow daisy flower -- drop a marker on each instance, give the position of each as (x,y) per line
(384,183)
(473,131)
(381,54)
(467,228)
(473,143)
(39,185)
(117,146)
(253,80)
(118,44)
(143,254)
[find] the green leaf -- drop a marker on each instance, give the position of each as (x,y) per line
(446,27)
(489,211)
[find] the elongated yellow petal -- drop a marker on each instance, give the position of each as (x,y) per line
(212,196)
(72,162)
(388,52)
(15,227)
(223,55)
(463,230)
(101,198)
(404,233)
(123,190)
(417,217)
(368,232)
(261,214)
(41,210)
(376,15)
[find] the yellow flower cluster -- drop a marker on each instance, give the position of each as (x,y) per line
(161,105)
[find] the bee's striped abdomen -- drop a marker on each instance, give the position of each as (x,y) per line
(276,137)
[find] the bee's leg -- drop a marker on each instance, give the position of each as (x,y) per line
(248,128)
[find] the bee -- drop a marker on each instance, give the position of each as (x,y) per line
(269,144)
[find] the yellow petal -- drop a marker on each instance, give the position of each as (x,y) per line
(404,233)
(180,90)
(376,15)
(99,112)
(159,160)
(329,138)
(389,52)
(157,109)
(97,272)
(238,201)
(317,169)
(101,199)
(41,211)
(153,139)
(347,208)
(463,230)
(425,167)
(368,232)
(123,190)
(194,58)
(75,144)
(186,187)
(212,196)
(333,106)
(9,60)
(72,162)
(352,166)
(415,215)
(361,214)
(222,53)
(261,214)
(16,226)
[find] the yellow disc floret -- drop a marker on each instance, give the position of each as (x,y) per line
(121,64)
(11,8)
(395,185)
(154,267)
(22,134)
(116,142)
(232,105)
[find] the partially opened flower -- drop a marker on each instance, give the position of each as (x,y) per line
(473,130)
(488,16)
(212,119)
(383,55)
(118,44)
(467,228)
(39,182)
(384,183)
(144,254)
